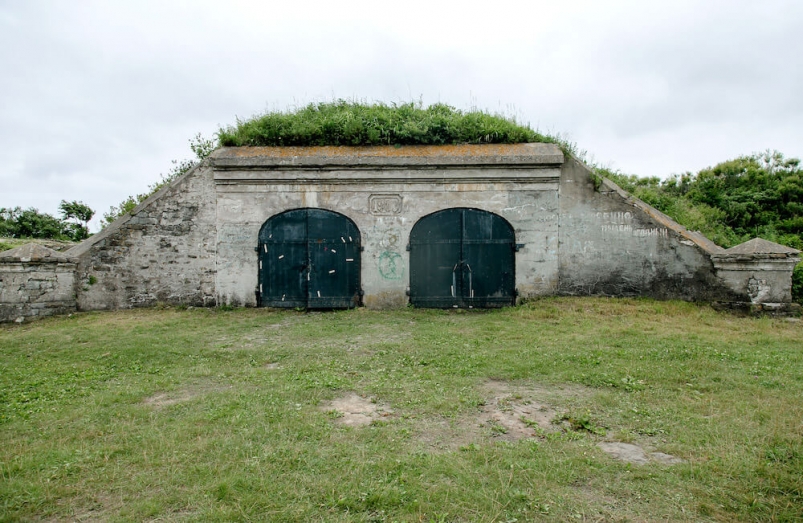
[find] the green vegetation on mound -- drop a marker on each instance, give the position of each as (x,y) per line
(352,123)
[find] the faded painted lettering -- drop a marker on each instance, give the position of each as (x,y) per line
(615,218)
(658,231)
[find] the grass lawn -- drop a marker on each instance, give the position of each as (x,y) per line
(411,415)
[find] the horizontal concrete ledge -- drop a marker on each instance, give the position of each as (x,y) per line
(525,155)
(242,186)
(404,176)
(760,309)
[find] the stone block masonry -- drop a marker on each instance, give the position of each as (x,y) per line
(35,282)
(163,252)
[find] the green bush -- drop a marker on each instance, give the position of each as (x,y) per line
(30,223)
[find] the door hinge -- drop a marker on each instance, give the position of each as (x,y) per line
(518,246)
(256,249)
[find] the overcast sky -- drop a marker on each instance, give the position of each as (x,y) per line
(97,97)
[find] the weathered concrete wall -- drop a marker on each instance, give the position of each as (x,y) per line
(759,281)
(613,244)
(164,251)
(34,286)
(385,195)
(193,242)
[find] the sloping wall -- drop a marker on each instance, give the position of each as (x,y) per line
(616,245)
(163,251)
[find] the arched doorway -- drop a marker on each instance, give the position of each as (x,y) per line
(462,258)
(309,258)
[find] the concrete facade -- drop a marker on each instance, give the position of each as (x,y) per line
(194,241)
(385,195)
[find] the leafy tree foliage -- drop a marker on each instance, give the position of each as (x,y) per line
(30,223)
(760,195)
(81,213)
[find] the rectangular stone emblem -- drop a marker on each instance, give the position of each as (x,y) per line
(385,204)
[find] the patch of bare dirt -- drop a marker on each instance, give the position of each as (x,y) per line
(99,508)
(513,412)
(509,413)
(174,397)
(631,453)
(354,410)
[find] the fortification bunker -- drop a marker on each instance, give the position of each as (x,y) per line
(438,226)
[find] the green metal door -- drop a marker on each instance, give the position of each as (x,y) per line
(309,258)
(462,258)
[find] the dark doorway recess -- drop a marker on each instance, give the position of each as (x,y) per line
(462,258)
(309,258)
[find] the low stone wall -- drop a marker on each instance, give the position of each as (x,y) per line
(35,282)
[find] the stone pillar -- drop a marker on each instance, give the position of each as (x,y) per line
(34,282)
(760,272)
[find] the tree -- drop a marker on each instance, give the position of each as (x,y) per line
(81,213)
(30,223)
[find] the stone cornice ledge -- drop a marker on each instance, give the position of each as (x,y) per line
(752,262)
(412,157)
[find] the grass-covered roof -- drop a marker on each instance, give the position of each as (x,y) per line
(353,123)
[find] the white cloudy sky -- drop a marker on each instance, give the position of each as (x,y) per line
(97,97)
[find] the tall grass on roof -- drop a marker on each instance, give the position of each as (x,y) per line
(353,123)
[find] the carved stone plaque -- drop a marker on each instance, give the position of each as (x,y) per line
(385,204)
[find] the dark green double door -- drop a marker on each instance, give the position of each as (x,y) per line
(462,258)
(309,258)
